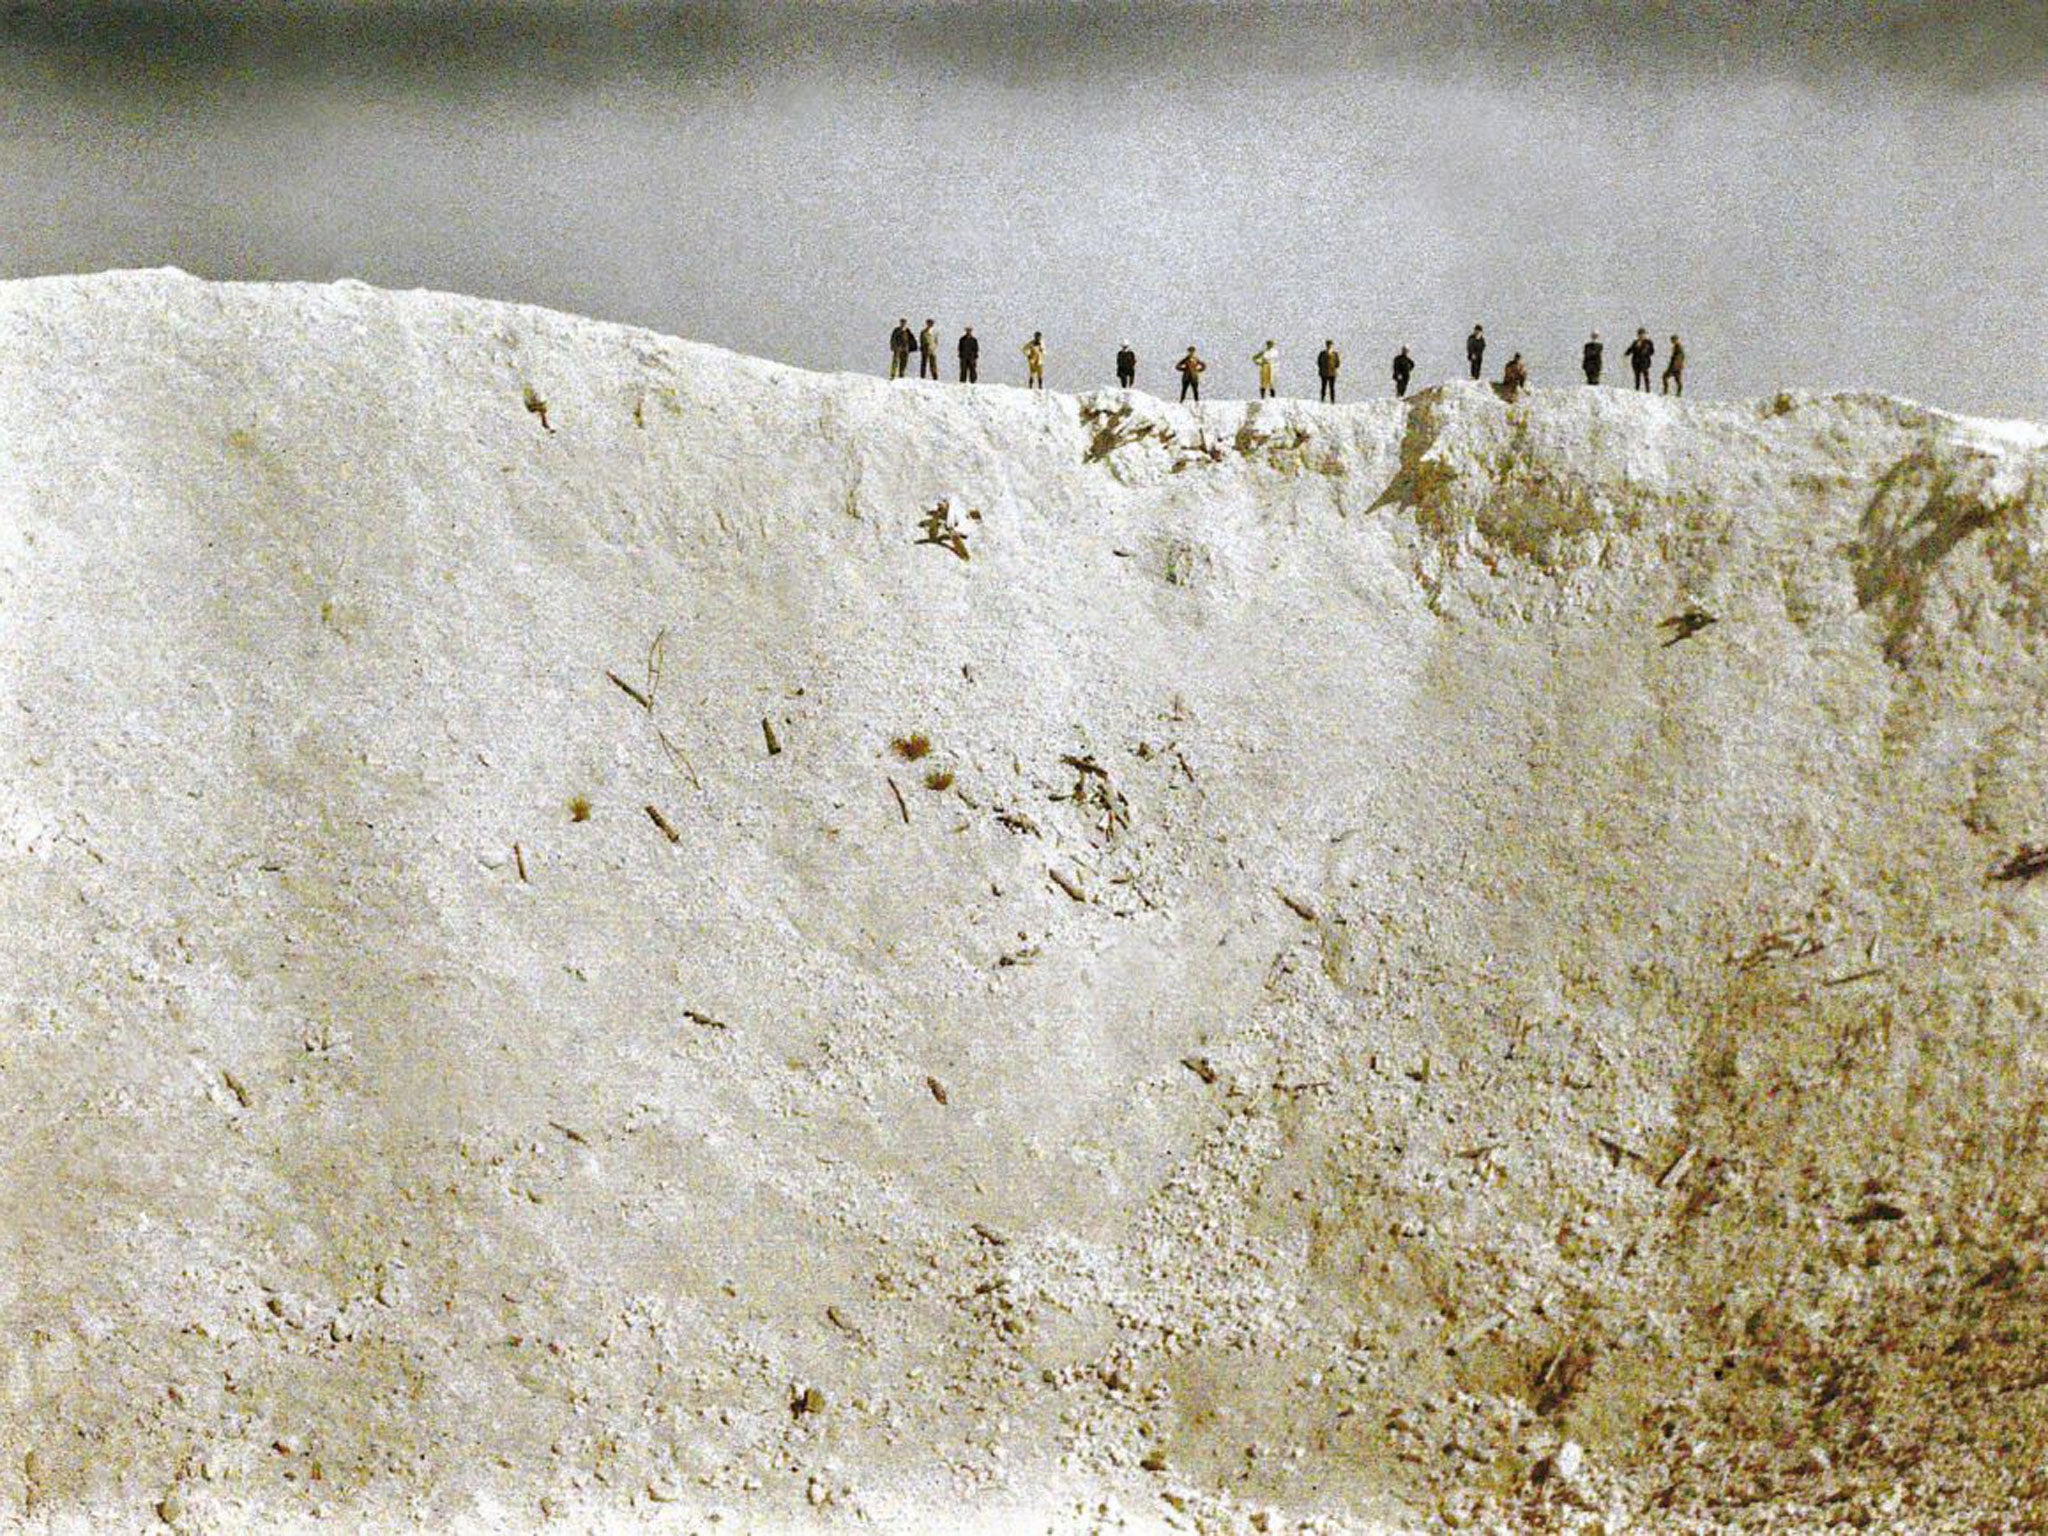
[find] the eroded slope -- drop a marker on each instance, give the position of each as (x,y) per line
(1361,990)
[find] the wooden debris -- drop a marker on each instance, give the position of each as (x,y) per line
(704,1019)
(1686,624)
(1564,1374)
(236,1086)
(939,530)
(537,406)
(838,1320)
(519,862)
(2026,862)
(938,1088)
(679,757)
(805,1400)
(768,735)
(1774,945)
(1675,1171)
(574,1135)
(1862,975)
(1617,1149)
(1017,821)
(1294,1088)
(667,827)
(1070,887)
(630,691)
(657,656)
(1300,909)
(1022,956)
(990,1236)
(1491,1323)
(1199,1065)
(1877,1210)
(902,806)
(1485,1149)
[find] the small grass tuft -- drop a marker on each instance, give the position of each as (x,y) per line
(579,808)
(939,779)
(911,748)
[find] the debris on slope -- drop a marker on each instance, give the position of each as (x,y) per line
(1451,1063)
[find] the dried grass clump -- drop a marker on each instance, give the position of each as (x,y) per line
(579,808)
(939,779)
(911,748)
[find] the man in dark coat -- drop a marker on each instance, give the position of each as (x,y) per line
(902,342)
(1595,351)
(1327,363)
(1475,349)
(1404,366)
(1126,367)
(1640,351)
(970,357)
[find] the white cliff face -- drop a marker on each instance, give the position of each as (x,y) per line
(1360,991)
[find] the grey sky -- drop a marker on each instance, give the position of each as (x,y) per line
(1809,200)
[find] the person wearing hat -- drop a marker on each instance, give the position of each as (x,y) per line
(1590,359)
(1404,367)
(1328,361)
(970,357)
(1266,357)
(1191,368)
(1475,349)
(1640,351)
(928,350)
(901,340)
(1126,366)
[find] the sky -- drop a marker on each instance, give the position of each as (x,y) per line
(1815,195)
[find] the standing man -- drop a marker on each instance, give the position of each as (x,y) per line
(900,342)
(970,357)
(1191,368)
(1475,349)
(1640,351)
(1266,357)
(1126,367)
(928,350)
(1674,369)
(1327,363)
(1404,365)
(1034,361)
(1591,359)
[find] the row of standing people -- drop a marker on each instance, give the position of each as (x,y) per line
(1641,354)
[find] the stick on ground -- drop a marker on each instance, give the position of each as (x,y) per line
(631,692)
(1300,909)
